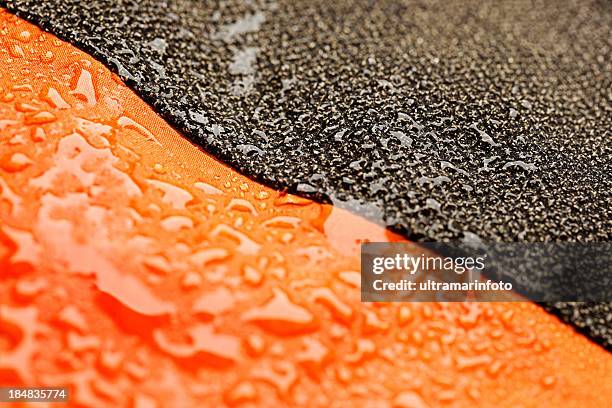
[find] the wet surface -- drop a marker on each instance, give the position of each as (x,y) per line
(141,272)
(437,120)
(440,121)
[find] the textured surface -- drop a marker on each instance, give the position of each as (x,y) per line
(435,119)
(429,117)
(141,272)
(592,319)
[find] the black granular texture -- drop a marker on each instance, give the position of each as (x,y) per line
(440,119)
(592,319)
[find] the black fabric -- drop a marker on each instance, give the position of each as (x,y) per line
(440,119)
(591,319)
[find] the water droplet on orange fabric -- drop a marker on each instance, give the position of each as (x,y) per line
(205,346)
(16,162)
(280,315)
(39,118)
(214,302)
(84,88)
(55,99)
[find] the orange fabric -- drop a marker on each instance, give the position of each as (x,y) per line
(141,272)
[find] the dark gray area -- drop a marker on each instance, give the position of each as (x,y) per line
(592,319)
(540,272)
(440,119)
